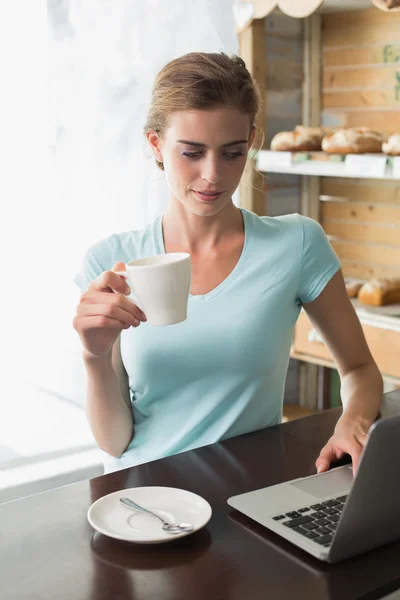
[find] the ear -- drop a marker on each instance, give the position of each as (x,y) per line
(155,143)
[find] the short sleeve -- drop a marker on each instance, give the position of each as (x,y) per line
(319,262)
(97,259)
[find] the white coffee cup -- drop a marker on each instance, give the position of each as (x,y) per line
(161,285)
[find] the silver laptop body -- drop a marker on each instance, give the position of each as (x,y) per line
(332,515)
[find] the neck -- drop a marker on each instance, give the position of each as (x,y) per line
(186,231)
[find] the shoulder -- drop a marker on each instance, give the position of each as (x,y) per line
(117,247)
(292,226)
(124,246)
(291,223)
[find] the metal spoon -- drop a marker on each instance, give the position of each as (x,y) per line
(169,527)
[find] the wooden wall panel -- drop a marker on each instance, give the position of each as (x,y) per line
(359,232)
(362,218)
(366,19)
(376,76)
(378,254)
(363,270)
(361,211)
(363,55)
(361,78)
(364,99)
(354,33)
(362,190)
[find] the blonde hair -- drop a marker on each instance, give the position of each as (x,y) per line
(202,81)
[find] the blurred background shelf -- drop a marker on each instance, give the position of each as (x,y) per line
(293,411)
(321,166)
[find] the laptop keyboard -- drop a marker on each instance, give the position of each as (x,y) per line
(316,522)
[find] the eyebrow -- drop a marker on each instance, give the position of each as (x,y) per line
(234,143)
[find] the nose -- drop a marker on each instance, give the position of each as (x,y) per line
(211,171)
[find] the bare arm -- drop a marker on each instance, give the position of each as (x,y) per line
(108,406)
(103,312)
(333,315)
(120,371)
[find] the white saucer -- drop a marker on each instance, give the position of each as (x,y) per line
(108,516)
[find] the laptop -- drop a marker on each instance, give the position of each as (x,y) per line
(332,515)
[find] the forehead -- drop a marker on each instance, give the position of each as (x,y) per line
(210,127)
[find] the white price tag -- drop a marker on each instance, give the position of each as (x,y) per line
(361,165)
(268,158)
(396,166)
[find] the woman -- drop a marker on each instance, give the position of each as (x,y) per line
(153,391)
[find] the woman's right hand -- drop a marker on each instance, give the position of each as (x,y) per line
(104,311)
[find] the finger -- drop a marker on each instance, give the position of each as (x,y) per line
(326,456)
(116,299)
(120,266)
(108,311)
(355,453)
(83,324)
(110,282)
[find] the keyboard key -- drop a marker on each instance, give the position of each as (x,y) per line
(330,511)
(324,539)
(311,525)
(298,521)
(334,518)
(308,534)
(311,535)
(303,510)
(321,522)
(293,514)
(341,498)
(332,526)
(339,507)
(323,530)
(330,503)
(318,515)
(279,517)
(300,530)
(317,506)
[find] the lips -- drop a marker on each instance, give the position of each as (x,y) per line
(208,196)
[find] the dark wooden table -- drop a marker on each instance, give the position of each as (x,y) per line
(49,551)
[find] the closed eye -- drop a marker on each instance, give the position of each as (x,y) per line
(231,155)
(228,155)
(192,154)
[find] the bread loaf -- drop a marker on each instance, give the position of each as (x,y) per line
(392,146)
(352,288)
(355,140)
(378,292)
(389,5)
(302,139)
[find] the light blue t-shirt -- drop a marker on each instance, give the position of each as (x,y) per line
(220,373)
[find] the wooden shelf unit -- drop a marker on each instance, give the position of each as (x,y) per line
(350,77)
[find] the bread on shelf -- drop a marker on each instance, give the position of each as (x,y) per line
(378,292)
(353,287)
(301,139)
(389,5)
(355,140)
(392,146)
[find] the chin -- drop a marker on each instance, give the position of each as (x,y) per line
(207,210)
